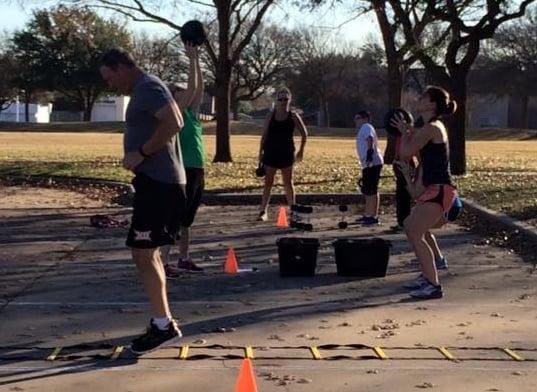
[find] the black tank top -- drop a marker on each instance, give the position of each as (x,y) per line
(280,133)
(435,163)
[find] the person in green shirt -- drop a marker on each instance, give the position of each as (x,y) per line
(193,154)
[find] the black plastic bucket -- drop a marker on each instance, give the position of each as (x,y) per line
(363,257)
(297,256)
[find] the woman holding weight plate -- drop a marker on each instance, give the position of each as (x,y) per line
(430,143)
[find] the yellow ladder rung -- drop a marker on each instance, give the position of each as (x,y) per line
(248,352)
(446,353)
(54,354)
(380,353)
(183,352)
(512,354)
(315,352)
(117,352)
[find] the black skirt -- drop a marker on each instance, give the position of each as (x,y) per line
(279,159)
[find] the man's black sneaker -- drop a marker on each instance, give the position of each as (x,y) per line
(154,338)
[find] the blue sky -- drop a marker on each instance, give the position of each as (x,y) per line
(356,31)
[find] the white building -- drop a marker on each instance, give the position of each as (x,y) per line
(38,113)
(110,109)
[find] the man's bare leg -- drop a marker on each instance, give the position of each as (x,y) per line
(153,278)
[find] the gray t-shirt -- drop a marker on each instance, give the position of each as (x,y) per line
(148,97)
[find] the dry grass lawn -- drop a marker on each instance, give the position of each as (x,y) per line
(501,173)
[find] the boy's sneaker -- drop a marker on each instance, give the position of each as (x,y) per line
(416,284)
(171,272)
(154,338)
(188,265)
(370,221)
(441,264)
(428,291)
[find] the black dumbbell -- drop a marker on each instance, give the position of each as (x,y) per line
(343,225)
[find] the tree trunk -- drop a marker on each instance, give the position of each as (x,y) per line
(235,106)
(222,101)
(223,83)
(395,85)
(395,76)
(457,124)
(456,84)
(324,112)
(88,107)
(524,115)
(27,108)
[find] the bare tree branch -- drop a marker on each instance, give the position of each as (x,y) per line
(202,3)
(251,30)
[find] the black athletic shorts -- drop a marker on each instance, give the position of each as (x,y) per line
(370,180)
(157,212)
(195,184)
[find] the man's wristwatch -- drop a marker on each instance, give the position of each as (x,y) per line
(142,153)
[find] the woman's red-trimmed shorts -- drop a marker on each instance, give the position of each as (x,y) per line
(442,194)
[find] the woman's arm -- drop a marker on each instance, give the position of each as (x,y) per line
(412,140)
(198,94)
(299,124)
(264,135)
(370,151)
(185,98)
(411,144)
(412,178)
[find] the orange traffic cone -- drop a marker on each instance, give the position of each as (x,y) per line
(231,266)
(282,219)
(246,381)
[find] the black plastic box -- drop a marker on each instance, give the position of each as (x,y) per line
(297,256)
(363,257)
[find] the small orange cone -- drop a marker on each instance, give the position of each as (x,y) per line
(231,266)
(282,219)
(246,381)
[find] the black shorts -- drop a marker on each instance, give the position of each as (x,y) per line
(195,184)
(370,180)
(279,158)
(157,212)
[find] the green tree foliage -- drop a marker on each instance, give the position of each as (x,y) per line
(59,50)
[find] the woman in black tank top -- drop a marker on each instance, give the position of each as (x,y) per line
(430,145)
(277,149)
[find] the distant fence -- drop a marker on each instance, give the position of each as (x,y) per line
(205,117)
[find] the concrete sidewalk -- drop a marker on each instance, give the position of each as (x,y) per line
(65,283)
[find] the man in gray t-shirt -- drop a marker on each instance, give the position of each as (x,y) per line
(152,153)
(148,96)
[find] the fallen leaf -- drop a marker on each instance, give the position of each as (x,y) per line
(425,385)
